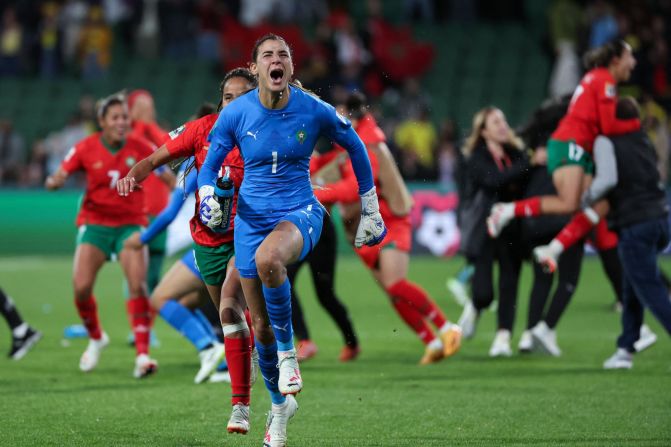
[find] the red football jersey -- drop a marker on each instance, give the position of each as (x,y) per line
(157,193)
(592,111)
(191,140)
(102,205)
(346,190)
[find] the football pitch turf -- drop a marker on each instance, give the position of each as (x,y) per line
(382,399)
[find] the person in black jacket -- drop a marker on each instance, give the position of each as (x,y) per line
(496,170)
(629,179)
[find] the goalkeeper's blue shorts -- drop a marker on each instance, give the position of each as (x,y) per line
(250,233)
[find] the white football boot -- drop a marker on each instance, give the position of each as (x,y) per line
(501,345)
(622,359)
(209,360)
(500,215)
(239,421)
(278,419)
(144,366)
(290,381)
(646,339)
(545,338)
(526,343)
(468,320)
(90,357)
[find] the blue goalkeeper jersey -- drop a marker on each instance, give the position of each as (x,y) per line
(276,146)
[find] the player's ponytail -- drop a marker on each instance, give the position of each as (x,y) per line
(603,55)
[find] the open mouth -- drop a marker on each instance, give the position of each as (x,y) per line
(276,75)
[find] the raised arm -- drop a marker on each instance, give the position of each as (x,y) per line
(141,171)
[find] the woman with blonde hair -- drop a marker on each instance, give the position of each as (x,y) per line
(496,170)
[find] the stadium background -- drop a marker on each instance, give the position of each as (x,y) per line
(426,66)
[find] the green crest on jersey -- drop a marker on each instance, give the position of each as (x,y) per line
(130,162)
(300,136)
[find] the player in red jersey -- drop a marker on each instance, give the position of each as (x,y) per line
(157,190)
(388,261)
(591,112)
(105,220)
(214,251)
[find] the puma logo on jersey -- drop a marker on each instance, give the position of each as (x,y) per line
(281,328)
(253,135)
(97,165)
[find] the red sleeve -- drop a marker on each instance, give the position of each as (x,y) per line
(72,161)
(346,190)
(607,100)
(155,134)
(370,133)
(319,161)
(181,142)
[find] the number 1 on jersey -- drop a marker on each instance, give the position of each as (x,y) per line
(274,169)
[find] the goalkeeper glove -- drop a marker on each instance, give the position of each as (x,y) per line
(371,229)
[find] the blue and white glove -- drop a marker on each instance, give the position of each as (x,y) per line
(209,212)
(371,229)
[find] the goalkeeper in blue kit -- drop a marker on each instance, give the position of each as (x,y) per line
(278,219)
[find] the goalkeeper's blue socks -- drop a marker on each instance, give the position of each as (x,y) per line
(278,305)
(184,321)
(271,374)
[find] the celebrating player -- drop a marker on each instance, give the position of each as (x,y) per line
(278,219)
(591,112)
(212,250)
(179,291)
(389,260)
(105,220)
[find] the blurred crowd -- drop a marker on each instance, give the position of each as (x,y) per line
(335,52)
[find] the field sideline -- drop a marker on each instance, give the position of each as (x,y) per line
(382,399)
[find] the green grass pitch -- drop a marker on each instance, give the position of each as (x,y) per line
(382,399)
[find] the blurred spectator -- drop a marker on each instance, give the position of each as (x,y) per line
(207,39)
(57,144)
(35,171)
(95,45)
(72,17)
(11,40)
(565,21)
(447,154)
(176,18)
(255,12)
(49,41)
(656,124)
(147,39)
(417,139)
(419,10)
(11,153)
(603,26)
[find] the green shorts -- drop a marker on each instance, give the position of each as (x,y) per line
(566,153)
(108,239)
(213,261)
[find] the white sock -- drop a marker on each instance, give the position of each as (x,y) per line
(435,344)
(283,354)
(446,327)
(20,330)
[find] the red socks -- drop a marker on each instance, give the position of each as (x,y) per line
(528,207)
(239,359)
(413,319)
(88,312)
(575,230)
(251,328)
(419,300)
(139,311)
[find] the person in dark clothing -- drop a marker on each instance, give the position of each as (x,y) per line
(24,337)
(628,178)
(497,170)
(322,262)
